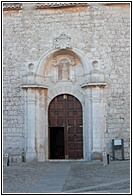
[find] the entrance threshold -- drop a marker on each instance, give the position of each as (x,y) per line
(65,160)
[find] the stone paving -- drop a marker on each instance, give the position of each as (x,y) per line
(18,177)
(67,177)
(95,175)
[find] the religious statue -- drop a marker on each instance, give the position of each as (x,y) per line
(65,72)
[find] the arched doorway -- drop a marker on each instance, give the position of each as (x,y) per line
(65,128)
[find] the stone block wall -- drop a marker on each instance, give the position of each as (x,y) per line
(101,31)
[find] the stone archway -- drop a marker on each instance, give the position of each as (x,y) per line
(63,72)
(65,128)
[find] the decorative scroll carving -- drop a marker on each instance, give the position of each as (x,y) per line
(12,6)
(73,61)
(62,42)
(54,62)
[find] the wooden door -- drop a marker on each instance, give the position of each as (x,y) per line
(66,111)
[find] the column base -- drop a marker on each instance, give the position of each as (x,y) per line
(96,156)
(30,156)
(40,157)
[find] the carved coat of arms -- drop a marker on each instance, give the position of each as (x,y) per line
(62,42)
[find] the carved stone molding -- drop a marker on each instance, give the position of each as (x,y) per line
(34,86)
(94,84)
(62,41)
(12,6)
(58,5)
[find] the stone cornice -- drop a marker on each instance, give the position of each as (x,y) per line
(58,5)
(94,84)
(12,6)
(34,86)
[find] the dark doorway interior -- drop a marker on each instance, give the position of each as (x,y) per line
(57,143)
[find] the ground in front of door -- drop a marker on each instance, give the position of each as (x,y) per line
(67,177)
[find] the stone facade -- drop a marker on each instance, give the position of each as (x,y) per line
(78,49)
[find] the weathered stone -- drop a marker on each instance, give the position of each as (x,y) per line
(96,156)
(79,49)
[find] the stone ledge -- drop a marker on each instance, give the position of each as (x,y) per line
(12,6)
(58,5)
(94,84)
(34,86)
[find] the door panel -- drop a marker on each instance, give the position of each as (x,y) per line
(66,111)
(79,130)
(70,130)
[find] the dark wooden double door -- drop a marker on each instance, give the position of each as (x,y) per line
(65,128)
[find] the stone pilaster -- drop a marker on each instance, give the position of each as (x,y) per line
(87,125)
(95,123)
(96,119)
(35,122)
(30,135)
